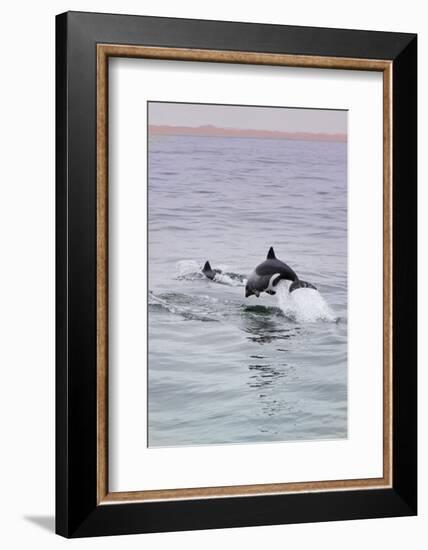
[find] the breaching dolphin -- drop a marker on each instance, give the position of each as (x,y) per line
(267,275)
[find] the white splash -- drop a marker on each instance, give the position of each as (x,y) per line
(305,305)
(225,279)
(188,269)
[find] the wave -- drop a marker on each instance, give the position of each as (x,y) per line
(264,311)
(182,305)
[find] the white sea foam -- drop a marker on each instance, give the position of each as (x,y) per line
(305,305)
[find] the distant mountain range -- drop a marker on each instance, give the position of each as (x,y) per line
(213,131)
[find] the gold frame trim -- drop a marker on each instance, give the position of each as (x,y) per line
(104,51)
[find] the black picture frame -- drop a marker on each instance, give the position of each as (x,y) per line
(77,511)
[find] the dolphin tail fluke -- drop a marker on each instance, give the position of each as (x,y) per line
(300,284)
(207,266)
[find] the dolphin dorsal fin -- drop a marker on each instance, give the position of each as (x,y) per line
(207,266)
(271,254)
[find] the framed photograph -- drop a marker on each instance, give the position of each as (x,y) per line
(236,274)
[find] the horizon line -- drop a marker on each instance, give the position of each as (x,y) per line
(210,130)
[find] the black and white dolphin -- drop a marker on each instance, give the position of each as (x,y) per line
(209,272)
(267,275)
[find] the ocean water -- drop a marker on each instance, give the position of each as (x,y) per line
(228,369)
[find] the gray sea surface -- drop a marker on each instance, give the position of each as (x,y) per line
(228,369)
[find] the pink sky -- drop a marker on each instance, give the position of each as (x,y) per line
(234,120)
(211,131)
